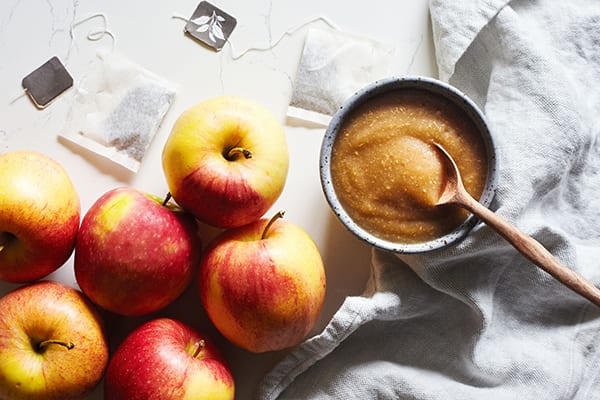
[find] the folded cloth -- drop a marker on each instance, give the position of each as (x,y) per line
(477,320)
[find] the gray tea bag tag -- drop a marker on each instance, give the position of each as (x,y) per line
(117,110)
(210,25)
(333,66)
(47,82)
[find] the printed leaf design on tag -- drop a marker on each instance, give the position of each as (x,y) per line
(210,25)
(202,28)
(216,31)
(203,20)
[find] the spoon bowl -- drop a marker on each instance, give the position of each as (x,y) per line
(454,191)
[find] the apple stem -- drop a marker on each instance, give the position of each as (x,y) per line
(167,198)
(235,151)
(271,221)
(199,347)
(46,343)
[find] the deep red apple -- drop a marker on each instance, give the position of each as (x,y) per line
(39,216)
(133,255)
(166,359)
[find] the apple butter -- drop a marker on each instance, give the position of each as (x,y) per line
(386,173)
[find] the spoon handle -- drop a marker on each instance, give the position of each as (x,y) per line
(533,250)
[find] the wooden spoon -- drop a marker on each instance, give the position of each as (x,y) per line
(454,193)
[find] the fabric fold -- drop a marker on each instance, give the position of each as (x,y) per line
(455,26)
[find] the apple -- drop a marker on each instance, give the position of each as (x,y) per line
(226,161)
(134,255)
(263,284)
(166,359)
(39,216)
(52,343)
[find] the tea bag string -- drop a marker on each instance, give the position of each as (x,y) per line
(94,35)
(235,55)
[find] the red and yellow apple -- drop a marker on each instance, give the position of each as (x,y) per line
(39,216)
(226,161)
(52,343)
(167,359)
(263,284)
(133,254)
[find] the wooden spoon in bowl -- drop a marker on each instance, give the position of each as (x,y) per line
(454,193)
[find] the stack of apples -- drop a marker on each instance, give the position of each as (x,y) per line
(261,281)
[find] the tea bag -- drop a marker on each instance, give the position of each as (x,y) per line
(117,109)
(333,66)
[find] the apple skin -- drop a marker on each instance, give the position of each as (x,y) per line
(134,256)
(39,216)
(221,191)
(158,361)
(263,294)
(42,311)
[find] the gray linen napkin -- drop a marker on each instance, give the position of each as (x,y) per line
(477,320)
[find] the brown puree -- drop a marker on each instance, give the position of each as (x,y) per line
(387,175)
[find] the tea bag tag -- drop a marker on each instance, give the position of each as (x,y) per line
(47,82)
(210,25)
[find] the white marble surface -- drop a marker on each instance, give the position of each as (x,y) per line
(32,31)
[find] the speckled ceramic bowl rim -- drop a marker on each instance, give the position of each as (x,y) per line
(398,83)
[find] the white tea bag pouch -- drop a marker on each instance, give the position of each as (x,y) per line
(117,109)
(333,66)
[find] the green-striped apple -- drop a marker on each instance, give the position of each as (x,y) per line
(52,343)
(134,255)
(39,216)
(263,284)
(167,359)
(226,161)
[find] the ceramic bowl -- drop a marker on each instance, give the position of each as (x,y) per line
(437,88)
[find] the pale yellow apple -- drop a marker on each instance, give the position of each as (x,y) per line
(263,284)
(52,343)
(226,161)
